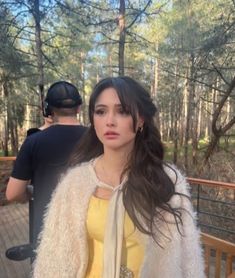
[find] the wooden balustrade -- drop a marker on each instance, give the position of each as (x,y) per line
(225,185)
(223,249)
(7,158)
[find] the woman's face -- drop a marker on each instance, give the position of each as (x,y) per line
(113,126)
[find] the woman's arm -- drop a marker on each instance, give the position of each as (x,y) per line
(192,255)
(62,251)
(55,255)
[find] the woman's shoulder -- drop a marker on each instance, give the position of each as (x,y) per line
(76,175)
(81,168)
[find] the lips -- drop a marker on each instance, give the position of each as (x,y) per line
(111,135)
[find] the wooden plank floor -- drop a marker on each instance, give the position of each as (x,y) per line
(13,231)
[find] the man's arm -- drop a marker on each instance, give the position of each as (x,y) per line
(22,173)
(17,190)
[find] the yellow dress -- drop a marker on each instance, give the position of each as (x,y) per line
(132,251)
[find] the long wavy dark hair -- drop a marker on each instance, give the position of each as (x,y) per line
(148,188)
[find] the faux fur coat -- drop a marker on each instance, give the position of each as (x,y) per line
(63,248)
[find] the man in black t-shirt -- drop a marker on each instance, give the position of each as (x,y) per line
(44,155)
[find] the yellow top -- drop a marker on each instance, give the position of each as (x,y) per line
(132,251)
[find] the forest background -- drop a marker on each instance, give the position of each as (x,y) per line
(182,51)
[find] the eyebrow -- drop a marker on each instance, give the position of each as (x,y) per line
(103,105)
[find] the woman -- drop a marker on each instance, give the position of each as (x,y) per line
(120,211)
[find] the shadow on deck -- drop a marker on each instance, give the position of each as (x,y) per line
(13,231)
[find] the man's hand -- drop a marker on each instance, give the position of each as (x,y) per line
(17,190)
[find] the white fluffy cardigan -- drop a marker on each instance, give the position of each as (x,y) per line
(63,248)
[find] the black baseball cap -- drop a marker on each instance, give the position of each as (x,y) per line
(63,94)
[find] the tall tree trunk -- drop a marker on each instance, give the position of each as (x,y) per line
(110,61)
(190,114)
(83,113)
(156,76)
(13,135)
(193,113)
(228,112)
(6,120)
(155,86)
(16,137)
(207,116)
(122,37)
(176,109)
(199,123)
(187,98)
(39,53)
(6,138)
(175,128)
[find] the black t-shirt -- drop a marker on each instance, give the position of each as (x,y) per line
(42,159)
(32,131)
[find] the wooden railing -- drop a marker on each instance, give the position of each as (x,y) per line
(218,250)
(194,181)
(7,158)
(208,206)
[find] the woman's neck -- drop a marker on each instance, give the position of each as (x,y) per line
(114,160)
(110,167)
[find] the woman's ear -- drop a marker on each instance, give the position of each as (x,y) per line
(140,122)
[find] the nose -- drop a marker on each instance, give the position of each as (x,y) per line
(111,119)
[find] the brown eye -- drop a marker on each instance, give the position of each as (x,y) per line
(123,112)
(100,112)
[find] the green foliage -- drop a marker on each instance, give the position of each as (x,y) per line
(11,60)
(170,46)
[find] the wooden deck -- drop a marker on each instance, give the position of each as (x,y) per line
(13,231)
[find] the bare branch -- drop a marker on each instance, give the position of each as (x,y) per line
(139,14)
(219,108)
(194,80)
